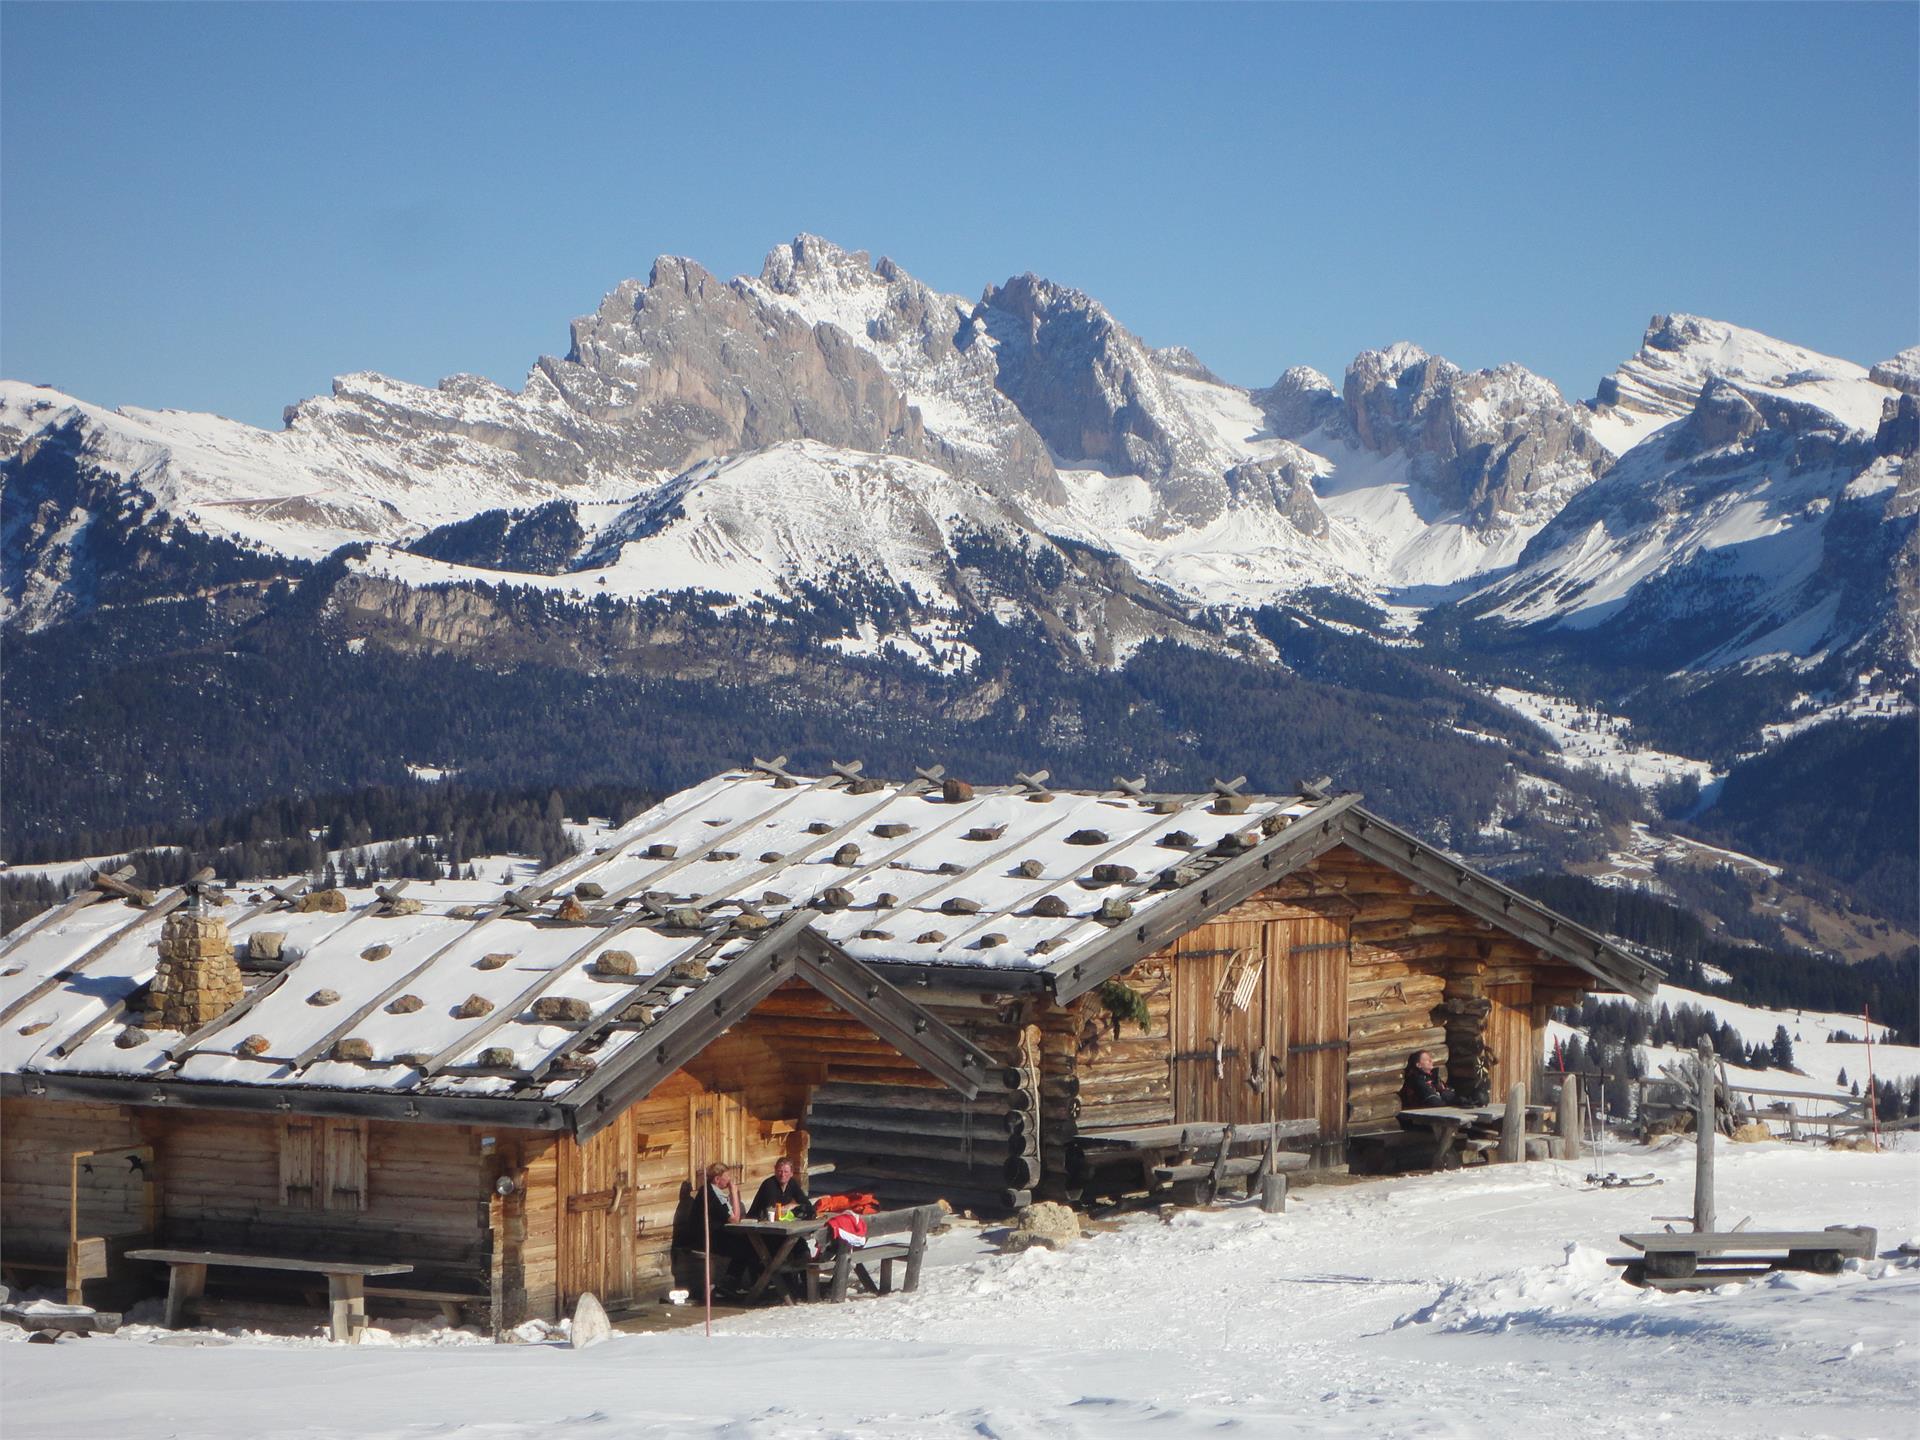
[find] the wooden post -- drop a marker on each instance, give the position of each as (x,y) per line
(1703,1134)
(1513,1126)
(1569,1118)
(185,1284)
(1273,1192)
(842,1273)
(347,1300)
(917,1246)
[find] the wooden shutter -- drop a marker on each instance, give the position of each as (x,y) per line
(299,1162)
(345,1165)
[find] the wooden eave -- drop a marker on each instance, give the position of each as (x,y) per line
(509,1113)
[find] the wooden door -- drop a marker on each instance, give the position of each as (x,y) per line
(1311,1015)
(597,1216)
(1511,1036)
(1221,1023)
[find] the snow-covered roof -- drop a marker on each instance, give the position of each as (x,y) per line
(521,1001)
(997,885)
(540,997)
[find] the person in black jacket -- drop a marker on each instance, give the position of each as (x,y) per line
(1421,1087)
(733,1256)
(779,1191)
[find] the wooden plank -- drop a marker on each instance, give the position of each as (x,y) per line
(1194,1134)
(267,1262)
(1847,1239)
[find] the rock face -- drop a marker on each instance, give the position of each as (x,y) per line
(1757,525)
(1901,372)
(922,340)
(688,366)
(1680,354)
(1283,481)
(1301,402)
(1483,443)
(1095,393)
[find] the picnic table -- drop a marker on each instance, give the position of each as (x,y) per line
(1699,1260)
(774,1242)
(346,1282)
(1454,1129)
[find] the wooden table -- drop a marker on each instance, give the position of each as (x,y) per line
(346,1282)
(1450,1124)
(774,1241)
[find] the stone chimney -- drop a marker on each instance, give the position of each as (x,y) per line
(198,979)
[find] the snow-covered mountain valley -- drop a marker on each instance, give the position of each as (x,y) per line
(913,515)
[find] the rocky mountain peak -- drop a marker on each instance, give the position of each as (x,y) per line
(1680,354)
(1899,372)
(1301,401)
(1487,442)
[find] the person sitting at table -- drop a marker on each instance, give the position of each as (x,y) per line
(1421,1088)
(780,1196)
(732,1253)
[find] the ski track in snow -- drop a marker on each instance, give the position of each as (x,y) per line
(1474,1304)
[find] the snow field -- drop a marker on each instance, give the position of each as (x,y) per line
(1474,1303)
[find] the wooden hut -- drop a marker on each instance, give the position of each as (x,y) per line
(1132,958)
(511,1099)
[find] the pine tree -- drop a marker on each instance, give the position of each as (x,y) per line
(1782,1048)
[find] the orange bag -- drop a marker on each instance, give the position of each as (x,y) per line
(858,1202)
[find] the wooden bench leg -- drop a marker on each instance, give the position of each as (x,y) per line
(917,1248)
(886,1275)
(185,1284)
(451,1309)
(347,1296)
(842,1273)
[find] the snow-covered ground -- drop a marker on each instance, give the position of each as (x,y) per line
(1589,738)
(1815,1051)
(1476,1303)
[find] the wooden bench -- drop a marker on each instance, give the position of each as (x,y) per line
(1236,1167)
(450,1298)
(346,1282)
(1682,1260)
(1106,1162)
(849,1262)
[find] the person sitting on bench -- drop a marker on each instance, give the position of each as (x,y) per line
(1420,1088)
(733,1256)
(780,1196)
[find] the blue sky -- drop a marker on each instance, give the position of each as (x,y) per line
(222,207)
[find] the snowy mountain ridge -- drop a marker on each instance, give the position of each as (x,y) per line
(1728,501)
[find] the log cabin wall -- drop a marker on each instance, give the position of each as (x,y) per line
(278,1185)
(899,1133)
(1427,975)
(37,1140)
